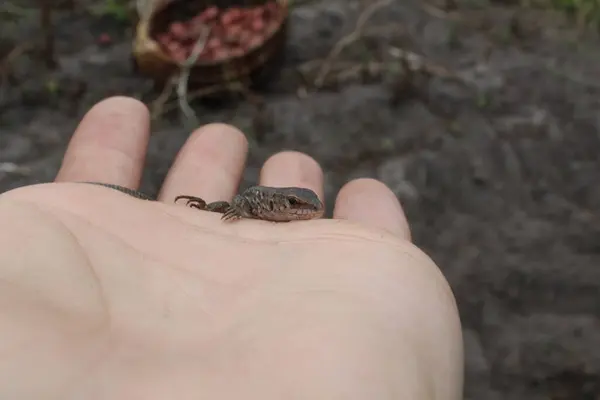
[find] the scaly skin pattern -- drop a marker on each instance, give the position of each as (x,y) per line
(266,203)
(276,204)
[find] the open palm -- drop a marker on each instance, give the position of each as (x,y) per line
(108,297)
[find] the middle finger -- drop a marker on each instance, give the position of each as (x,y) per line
(209,165)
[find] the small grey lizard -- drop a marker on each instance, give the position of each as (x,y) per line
(277,204)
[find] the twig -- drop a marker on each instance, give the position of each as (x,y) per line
(417,63)
(408,62)
(5,64)
(205,91)
(300,3)
(160,101)
(48,31)
(146,7)
(184,75)
(12,168)
(349,39)
(14,10)
(15,52)
(438,12)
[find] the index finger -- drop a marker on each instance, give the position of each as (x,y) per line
(109,145)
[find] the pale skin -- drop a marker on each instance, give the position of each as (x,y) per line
(103,296)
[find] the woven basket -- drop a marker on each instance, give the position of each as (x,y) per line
(253,68)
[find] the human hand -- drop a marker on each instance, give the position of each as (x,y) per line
(104,296)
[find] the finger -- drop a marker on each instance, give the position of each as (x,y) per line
(292,168)
(370,202)
(210,165)
(109,145)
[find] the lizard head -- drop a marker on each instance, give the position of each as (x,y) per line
(300,203)
(275,204)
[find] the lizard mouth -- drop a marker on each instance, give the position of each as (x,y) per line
(298,205)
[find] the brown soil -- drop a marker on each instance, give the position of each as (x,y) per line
(499,180)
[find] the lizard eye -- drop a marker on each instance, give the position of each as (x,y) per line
(293,201)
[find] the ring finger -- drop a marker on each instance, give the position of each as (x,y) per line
(292,168)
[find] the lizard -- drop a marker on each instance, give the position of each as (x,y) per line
(275,204)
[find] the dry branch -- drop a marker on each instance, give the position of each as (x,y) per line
(349,39)
(48,32)
(184,75)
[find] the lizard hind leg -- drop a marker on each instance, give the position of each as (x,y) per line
(218,206)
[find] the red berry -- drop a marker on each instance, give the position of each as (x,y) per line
(178,30)
(104,38)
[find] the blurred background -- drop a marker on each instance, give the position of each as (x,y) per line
(482,116)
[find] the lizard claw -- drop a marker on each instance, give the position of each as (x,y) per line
(230,214)
(193,202)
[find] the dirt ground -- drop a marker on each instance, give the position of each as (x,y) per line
(499,177)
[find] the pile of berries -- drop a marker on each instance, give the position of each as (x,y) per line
(233,32)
